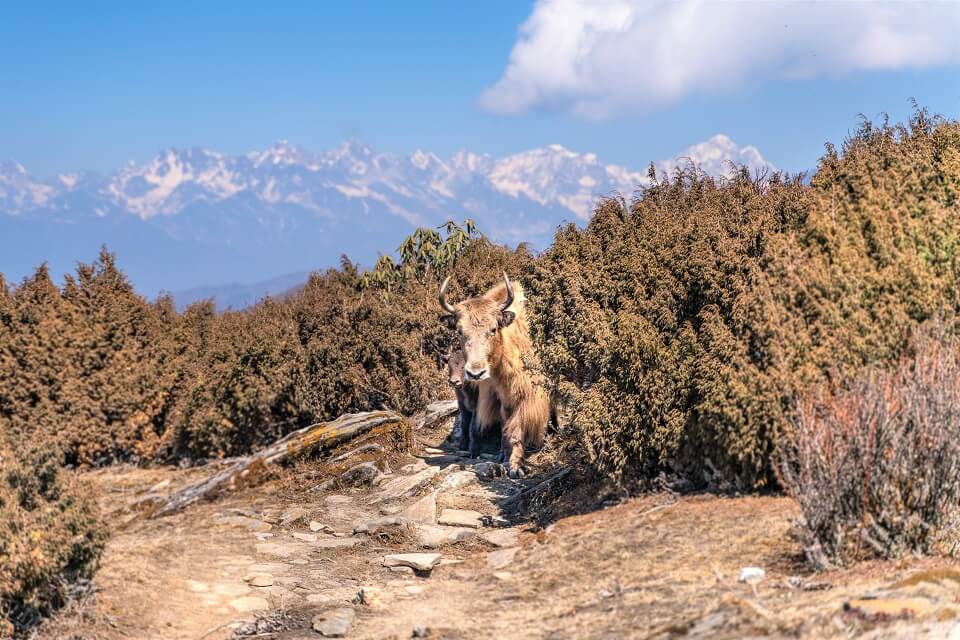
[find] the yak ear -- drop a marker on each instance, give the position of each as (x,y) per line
(506,318)
(450,320)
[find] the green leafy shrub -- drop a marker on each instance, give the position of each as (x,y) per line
(875,465)
(50,536)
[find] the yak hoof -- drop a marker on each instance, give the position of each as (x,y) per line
(517,473)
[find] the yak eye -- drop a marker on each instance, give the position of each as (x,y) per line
(493,331)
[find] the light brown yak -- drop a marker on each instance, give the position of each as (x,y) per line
(496,343)
(470,396)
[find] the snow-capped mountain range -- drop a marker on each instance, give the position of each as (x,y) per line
(193,217)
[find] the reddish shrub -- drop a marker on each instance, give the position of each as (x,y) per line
(876,466)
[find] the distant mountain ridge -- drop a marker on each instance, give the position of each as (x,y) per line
(194,216)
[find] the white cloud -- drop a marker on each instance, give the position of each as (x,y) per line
(599,58)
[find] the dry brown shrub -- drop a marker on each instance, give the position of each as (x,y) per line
(875,466)
(50,536)
(680,327)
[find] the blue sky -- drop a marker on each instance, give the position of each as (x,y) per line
(91,85)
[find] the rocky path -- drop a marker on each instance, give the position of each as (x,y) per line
(423,546)
(361,558)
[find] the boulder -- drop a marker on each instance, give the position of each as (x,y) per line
(334,623)
(416,561)
(461,518)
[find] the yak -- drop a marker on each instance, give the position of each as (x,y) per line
(496,344)
(473,429)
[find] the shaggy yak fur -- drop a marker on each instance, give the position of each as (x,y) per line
(472,432)
(496,345)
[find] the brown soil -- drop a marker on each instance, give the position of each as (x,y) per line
(657,566)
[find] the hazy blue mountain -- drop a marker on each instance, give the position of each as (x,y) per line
(190,218)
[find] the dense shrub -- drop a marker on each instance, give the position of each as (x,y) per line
(50,536)
(681,327)
(875,466)
(84,367)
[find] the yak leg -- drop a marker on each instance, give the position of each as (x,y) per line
(474,436)
(512,445)
(466,425)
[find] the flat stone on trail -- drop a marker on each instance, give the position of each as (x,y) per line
(335,623)
(197,587)
(281,549)
(432,536)
(487,469)
(402,569)
(259,580)
(461,518)
(337,498)
(372,524)
(305,537)
(407,485)
(457,480)
(501,537)
(423,510)
(501,558)
(249,603)
(319,526)
(416,561)
(291,516)
(337,543)
(243,521)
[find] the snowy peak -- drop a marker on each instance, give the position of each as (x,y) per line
(718,156)
(546,182)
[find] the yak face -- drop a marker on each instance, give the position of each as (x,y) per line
(456,360)
(479,321)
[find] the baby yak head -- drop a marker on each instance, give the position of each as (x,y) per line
(479,321)
(455,361)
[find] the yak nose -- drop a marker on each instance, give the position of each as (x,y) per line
(475,375)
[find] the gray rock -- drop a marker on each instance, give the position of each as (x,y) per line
(432,536)
(501,537)
(457,480)
(281,549)
(416,561)
(259,580)
(407,485)
(335,623)
(391,509)
(752,575)
(461,518)
(319,526)
(292,515)
(402,569)
(305,537)
(360,475)
(372,524)
(337,543)
(338,499)
(423,510)
(244,521)
(502,557)
(488,470)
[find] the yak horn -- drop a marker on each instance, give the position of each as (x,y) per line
(509,300)
(443,297)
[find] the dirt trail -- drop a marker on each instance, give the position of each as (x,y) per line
(658,566)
